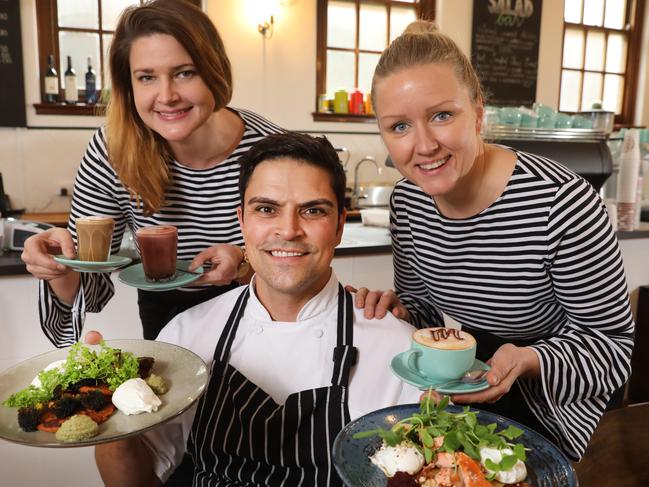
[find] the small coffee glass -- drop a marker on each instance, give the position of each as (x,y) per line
(94,236)
(158,246)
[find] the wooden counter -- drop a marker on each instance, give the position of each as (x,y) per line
(618,451)
(56,219)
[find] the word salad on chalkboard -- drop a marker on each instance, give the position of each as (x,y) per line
(505,49)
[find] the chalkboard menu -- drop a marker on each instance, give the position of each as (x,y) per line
(505,49)
(12,89)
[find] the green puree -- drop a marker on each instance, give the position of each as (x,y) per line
(79,427)
(158,384)
(109,365)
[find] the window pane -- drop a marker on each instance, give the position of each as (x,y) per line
(366,65)
(572,11)
(613,91)
(340,71)
(592,90)
(81,46)
(593,12)
(400,17)
(595,50)
(73,13)
(573,49)
(341,26)
(616,53)
(110,12)
(570,84)
(108,39)
(373,30)
(615,14)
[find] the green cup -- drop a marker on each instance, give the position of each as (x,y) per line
(510,116)
(341,101)
(441,354)
(547,121)
(563,121)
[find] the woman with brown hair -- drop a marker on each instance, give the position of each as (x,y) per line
(513,246)
(168,155)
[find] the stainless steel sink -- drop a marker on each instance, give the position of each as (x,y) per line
(374,195)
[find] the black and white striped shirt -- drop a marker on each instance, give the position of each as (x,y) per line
(202,203)
(542,263)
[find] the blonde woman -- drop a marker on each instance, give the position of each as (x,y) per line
(515,247)
(168,155)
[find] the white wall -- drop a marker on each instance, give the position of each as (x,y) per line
(275,77)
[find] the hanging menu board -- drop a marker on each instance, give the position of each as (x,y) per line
(505,49)
(12,89)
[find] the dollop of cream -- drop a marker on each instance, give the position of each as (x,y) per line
(135,396)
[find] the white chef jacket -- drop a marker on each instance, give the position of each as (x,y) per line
(286,357)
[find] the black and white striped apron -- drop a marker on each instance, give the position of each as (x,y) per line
(241,437)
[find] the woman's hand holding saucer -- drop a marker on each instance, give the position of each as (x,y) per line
(376,304)
(37,254)
(225,260)
(508,364)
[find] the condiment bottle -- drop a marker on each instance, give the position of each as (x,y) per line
(627,182)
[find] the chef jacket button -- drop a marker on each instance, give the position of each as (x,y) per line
(318,333)
(259,330)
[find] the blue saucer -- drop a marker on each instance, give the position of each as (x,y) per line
(134,276)
(113,263)
(401,369)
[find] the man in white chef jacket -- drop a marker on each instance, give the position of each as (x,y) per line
(292,359)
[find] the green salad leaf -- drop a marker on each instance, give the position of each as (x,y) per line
(461,432)
(109,365)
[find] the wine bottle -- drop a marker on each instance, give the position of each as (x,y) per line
(51,81)
(71,90)
(91,84)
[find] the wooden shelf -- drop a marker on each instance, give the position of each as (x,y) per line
(63,109)
(342,117)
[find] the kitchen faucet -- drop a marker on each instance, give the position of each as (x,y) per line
(355,195)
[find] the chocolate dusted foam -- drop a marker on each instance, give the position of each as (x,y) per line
(444,338)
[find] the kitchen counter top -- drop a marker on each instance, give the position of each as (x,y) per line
(358,239)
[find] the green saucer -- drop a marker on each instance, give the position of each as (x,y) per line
(399,366)
(134,276)
(113,263)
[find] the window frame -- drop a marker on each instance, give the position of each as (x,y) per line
(425,9)
(633,33)
(48,43)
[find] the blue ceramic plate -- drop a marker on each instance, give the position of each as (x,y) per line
(546,464)
(113,263)
(401,369)
(134,276)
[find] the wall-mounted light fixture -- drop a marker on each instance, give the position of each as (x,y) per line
(263,14)
(265,27)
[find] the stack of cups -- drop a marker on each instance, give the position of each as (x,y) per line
(627,182)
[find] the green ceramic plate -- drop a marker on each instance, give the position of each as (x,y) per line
(401,369)
(113,263)
(185,371)
(134,276)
